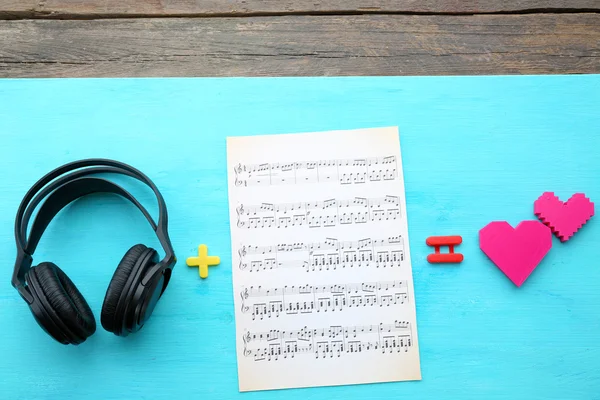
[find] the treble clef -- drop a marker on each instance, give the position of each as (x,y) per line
(244,295)
(242,251)
(240,211)
(238,171)
(246,339)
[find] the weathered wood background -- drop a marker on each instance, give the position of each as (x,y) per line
(67,38)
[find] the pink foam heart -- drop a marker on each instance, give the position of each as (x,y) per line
(515,251)
(563,218)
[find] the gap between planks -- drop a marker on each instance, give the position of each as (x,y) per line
(114,9)
(49,15)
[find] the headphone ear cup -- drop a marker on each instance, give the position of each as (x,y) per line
(117,285)
(64,301)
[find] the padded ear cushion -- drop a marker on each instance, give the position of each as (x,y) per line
(65,299)
(117,284)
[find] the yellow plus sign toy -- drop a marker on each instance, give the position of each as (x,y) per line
(203,261)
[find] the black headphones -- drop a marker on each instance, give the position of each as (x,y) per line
(138,282)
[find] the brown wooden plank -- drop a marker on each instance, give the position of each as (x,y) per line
(302,45)
(113,8)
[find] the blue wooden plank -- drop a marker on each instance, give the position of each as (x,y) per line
(475,149)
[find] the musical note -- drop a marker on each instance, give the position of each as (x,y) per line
(316,214)
(330,342)
(307,299)
(330,254)
(345,172)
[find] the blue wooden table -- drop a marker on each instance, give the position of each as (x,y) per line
(474,149)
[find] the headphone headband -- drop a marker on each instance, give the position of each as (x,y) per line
(69,188)
(42,194)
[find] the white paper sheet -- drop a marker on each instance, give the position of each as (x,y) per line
(322,275)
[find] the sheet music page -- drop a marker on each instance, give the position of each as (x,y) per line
(322,275)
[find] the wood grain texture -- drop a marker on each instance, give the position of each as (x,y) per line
(302,45)
(474,150)
(115,8)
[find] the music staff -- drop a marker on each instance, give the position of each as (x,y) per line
(346,172)
(330,254)
(316,214)
(292,300)
(328,342)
